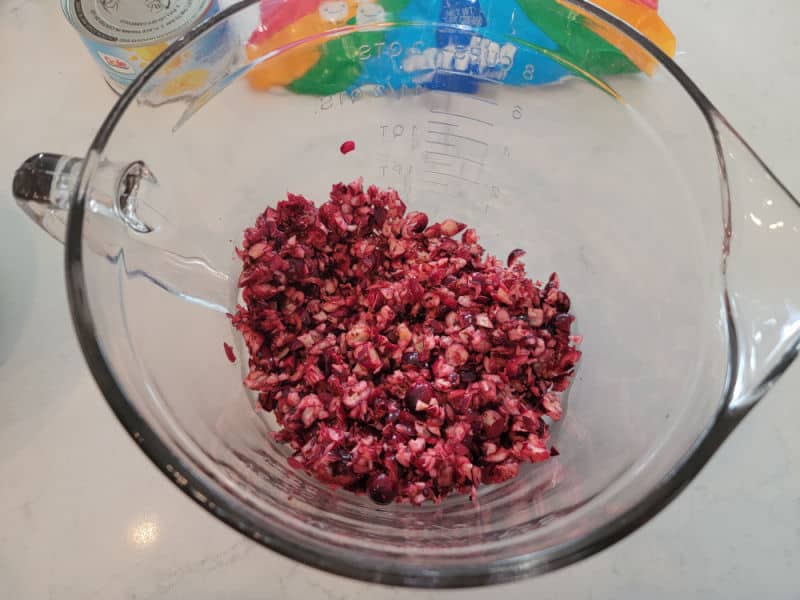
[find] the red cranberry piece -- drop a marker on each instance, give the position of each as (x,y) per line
(563,302)
(379,214)
(324,363)
(411,359)
(347,146)
(406,418)
(560,384)
(563,322)
(514,255)
(392,416)
(456,355)
(449,227)
(419,392)
(416,222)
(229,352)
(311,290)
(468,376)
(381,489)
(494,424)
(267,402)
(297,268)
(438,327)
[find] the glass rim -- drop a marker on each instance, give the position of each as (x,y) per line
(221,504)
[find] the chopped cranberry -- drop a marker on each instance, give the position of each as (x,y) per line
(563,322)
(450,227)
(399,361)
(467,376)
(456,355)
(563,302)
(347,146)
(418,393)
(415,223)
(514,256)
(229,352)
(494,424)
(411,359)
(379,215)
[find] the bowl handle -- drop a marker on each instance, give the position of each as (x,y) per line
(45,186)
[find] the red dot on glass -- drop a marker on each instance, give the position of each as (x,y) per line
(347,146)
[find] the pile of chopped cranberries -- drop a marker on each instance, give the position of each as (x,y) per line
(399,360)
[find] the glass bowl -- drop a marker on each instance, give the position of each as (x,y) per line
(655,213)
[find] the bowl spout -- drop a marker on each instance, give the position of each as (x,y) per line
(762,265)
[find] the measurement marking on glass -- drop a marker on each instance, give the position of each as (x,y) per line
(472,160)
(440,143)
(445,123)
(439,183)
(436,163)
(479,99)
(467,96)
(459,177)
(460,116)
(460,137)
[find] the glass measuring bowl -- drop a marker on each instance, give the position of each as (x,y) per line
(659,219)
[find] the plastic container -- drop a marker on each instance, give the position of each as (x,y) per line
(124,37)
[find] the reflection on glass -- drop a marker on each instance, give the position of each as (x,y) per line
(144,532)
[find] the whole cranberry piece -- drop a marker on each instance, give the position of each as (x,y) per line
(563,322)
(379,214)
(381,488)
(468,376)
(411,359)
(419,392)
(563,302)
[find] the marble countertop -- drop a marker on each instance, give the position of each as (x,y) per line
(83,513)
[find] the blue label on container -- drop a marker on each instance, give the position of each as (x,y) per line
(468,47)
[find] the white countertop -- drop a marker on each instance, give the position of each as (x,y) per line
(83,513)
